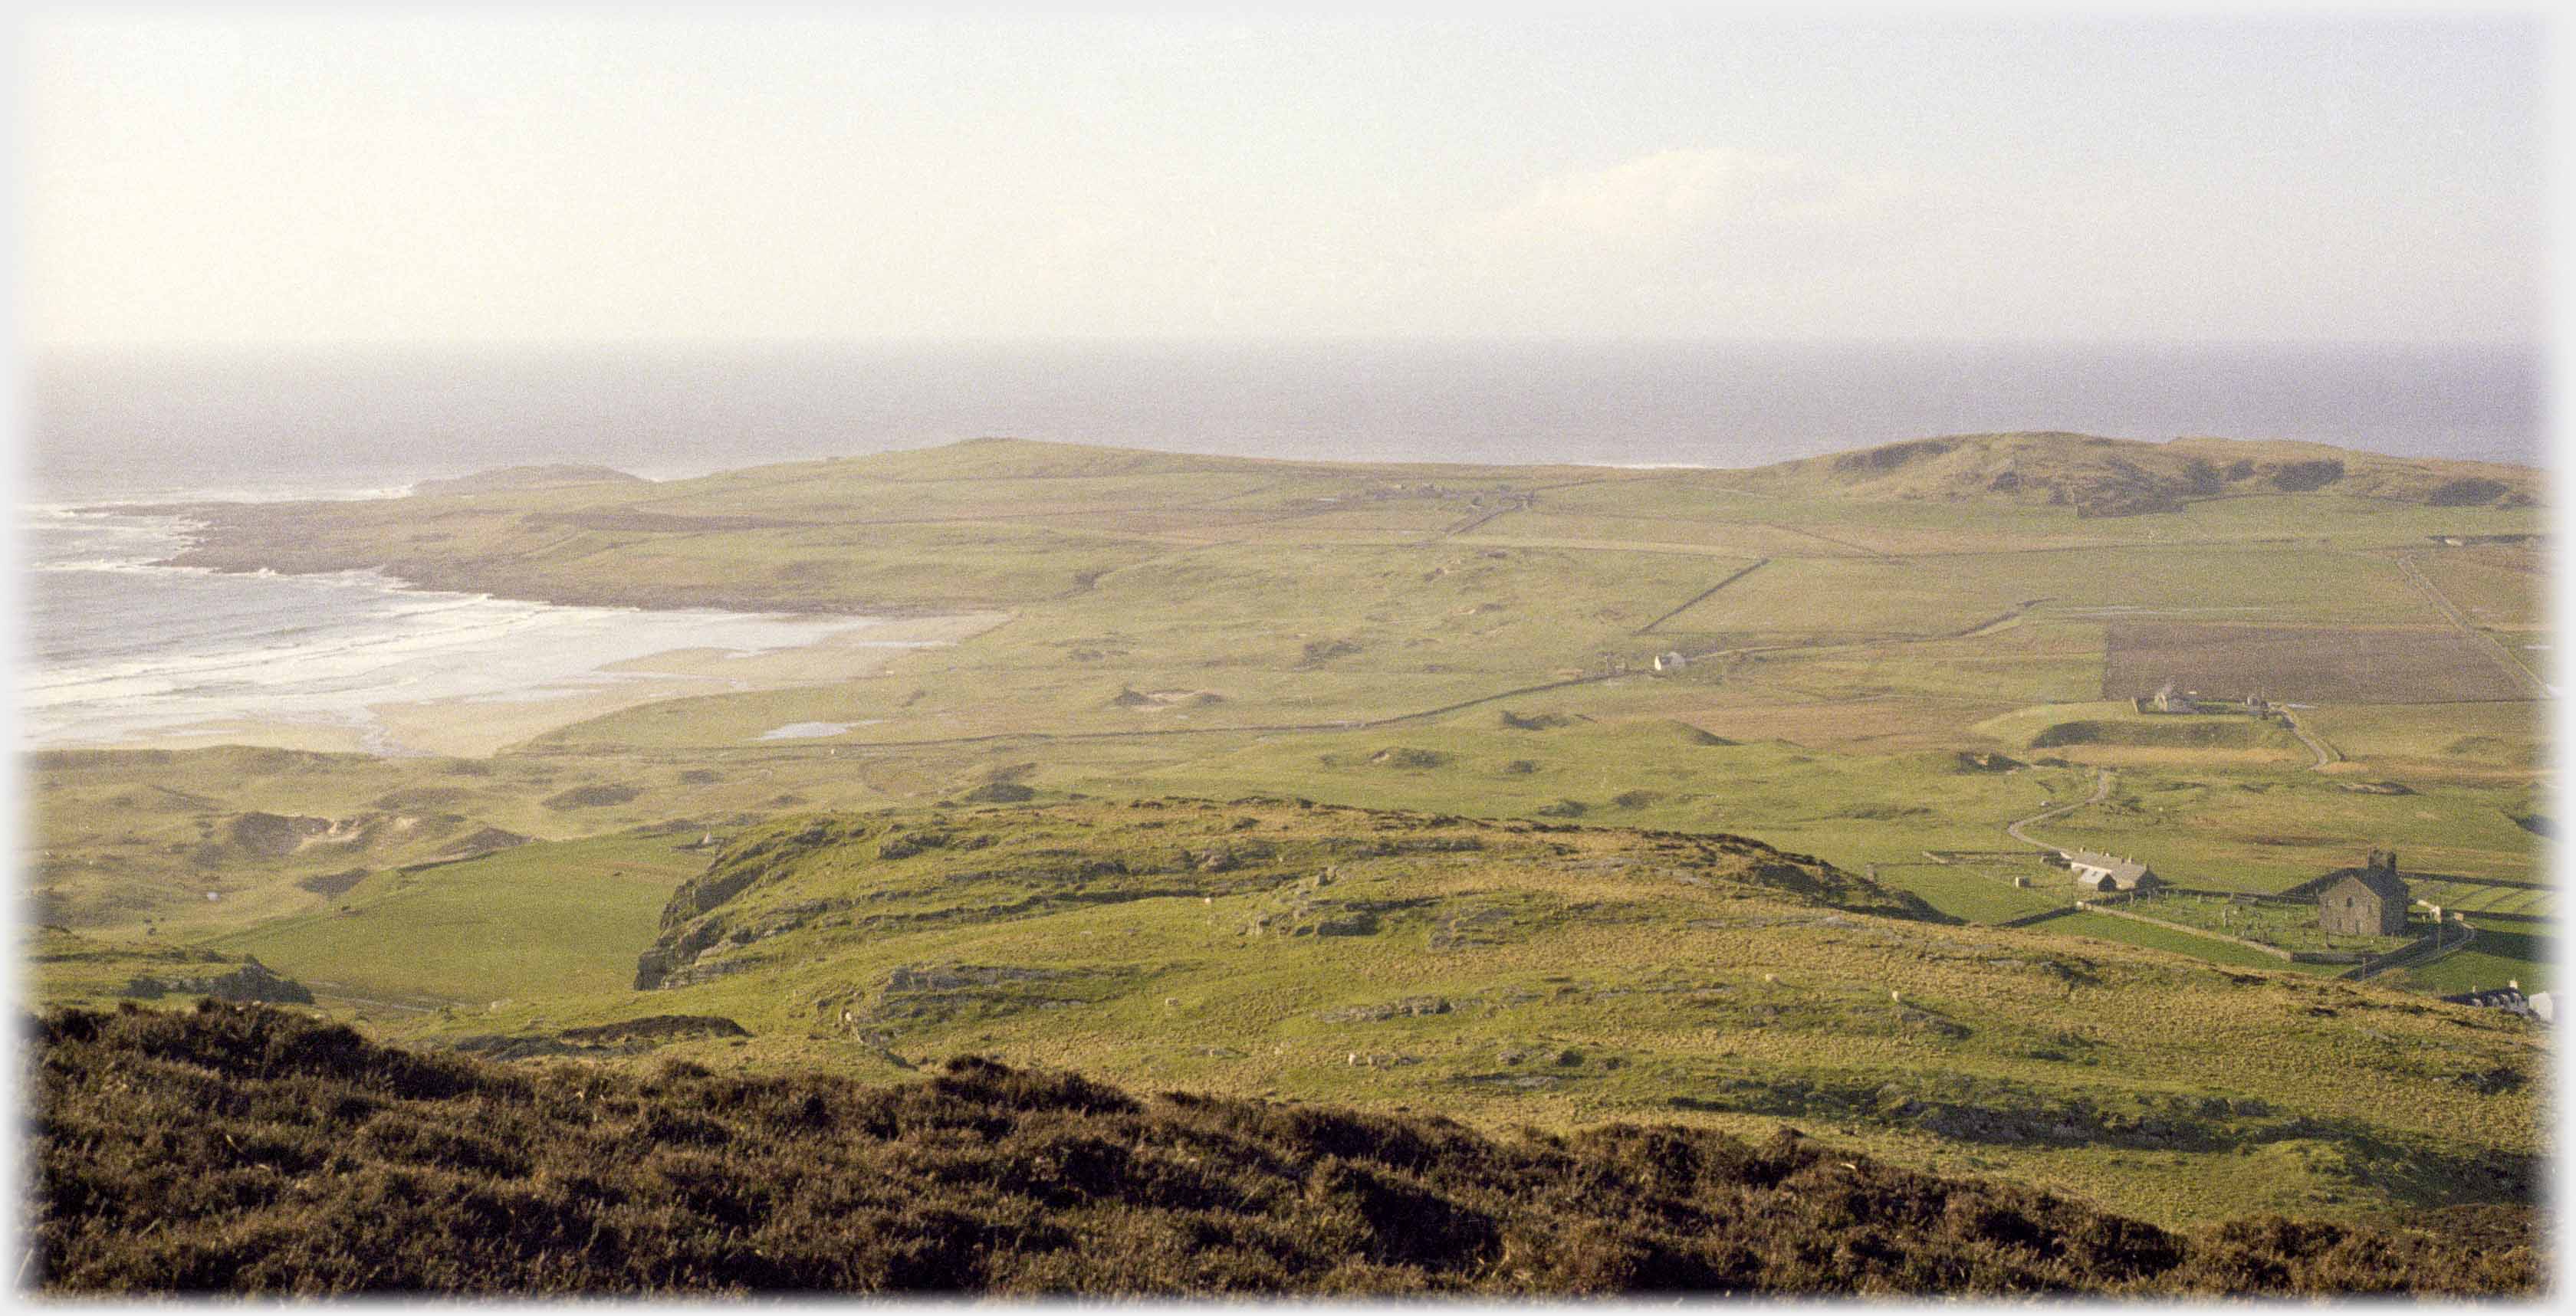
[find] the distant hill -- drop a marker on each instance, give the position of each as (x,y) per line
(249,1150)
(1002,523)
(2100,476)
(513,479)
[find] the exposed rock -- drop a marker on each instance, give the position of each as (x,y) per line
(1410,1007)
(252,981)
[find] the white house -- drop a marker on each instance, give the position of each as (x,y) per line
(2096,871)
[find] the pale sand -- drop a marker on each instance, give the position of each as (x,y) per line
(479,727)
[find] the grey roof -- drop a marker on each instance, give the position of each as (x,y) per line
(2383,885)
(2120,869)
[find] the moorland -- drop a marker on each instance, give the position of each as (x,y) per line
(1532,798)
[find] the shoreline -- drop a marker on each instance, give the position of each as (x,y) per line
(246,538)
(241,539)
(482,725)
(224,547)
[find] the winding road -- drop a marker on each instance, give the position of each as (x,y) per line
(2325,753)
(2101,792)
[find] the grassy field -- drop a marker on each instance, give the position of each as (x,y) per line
(539,920)
(2288,927)
(2507,950)
(1915,659)
(2129,932)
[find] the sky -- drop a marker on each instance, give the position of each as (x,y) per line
(470,177)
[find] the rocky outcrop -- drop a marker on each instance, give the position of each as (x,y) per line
(690,923)
(252,981)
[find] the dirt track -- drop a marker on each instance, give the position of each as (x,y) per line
(2101,792)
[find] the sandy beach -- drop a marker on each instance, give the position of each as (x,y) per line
(480,725)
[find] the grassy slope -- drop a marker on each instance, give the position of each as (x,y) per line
(1559,977)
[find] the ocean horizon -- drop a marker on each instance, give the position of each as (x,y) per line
(116,425)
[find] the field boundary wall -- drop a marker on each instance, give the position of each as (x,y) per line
(2275,952)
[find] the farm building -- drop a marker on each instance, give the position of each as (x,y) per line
(2369,901)
(1670,662)
(2095,871)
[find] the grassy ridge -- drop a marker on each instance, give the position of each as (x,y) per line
(270,1154)
(1503,973)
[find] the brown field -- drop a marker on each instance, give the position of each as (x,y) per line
(2312,664)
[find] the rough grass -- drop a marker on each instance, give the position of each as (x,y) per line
(244,1150)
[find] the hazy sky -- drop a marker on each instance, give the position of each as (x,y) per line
(473,177)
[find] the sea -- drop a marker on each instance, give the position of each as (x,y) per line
(117,646)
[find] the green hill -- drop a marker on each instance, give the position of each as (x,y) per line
(1502,972)
(2100,476)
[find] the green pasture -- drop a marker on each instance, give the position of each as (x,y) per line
(2128,932)
(2244,830)
(2506,950)
(2490,740)
(541,920)
(2290,927)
